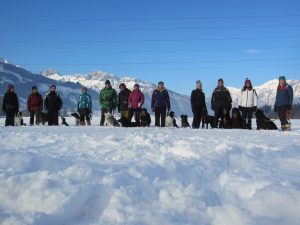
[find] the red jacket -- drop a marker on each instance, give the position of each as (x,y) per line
(136,99)
(34,102)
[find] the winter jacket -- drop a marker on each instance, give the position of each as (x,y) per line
(10,102)
(123,99)
(284,96)
(247,98)
(52,101)
(136,99)
(108,98)
(160,99)
(84,102)
(198,100)
(221,98)
(35,102)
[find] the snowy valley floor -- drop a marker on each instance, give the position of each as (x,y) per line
(95,175)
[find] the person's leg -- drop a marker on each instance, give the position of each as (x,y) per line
(197,119)
(137,116)
(10,118)
(217,115)
(31,118)
(244,118)
(130,114)
(157,116)
(102,117)
(82,115)
(55,118)
(282,116)
(249,118)
(163,117)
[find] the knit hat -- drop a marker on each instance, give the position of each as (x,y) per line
(282,78)
(107,82)
(248,81)
(198,82)
(122,85)
(84,89)
(221,79)
(34,88)
(137,85)
(160,82)
(53,85)
(10,86)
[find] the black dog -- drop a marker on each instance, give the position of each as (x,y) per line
(126,123)
(207,119)
(77,118)
(263,122)
(41,118)
(64,122)
(184,121)
(170,120)
(145,118)
(236,119)
(225,119)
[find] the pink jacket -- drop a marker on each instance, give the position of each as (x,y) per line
(136,99)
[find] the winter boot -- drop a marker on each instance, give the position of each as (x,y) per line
(88,122)
(82,123)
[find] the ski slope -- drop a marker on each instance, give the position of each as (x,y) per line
(100,175)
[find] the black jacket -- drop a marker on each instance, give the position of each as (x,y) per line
(198,100)
(221,98)
(10,102)
(52,102)
(123,99)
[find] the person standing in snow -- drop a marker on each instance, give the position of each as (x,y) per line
(247,104)
(34,104)
(135,103)
(108,100)
(283,103)
(123,101)
(84,107)
(220,102)
(52,103)
(198,104)
(10,105)
(160,103)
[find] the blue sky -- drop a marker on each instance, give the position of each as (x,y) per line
(172,40)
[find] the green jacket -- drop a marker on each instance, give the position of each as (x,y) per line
(108,98)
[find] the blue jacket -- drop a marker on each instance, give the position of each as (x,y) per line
(284,96)
(84,101)
(160,99)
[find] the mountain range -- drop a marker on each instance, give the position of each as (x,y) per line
(69,87)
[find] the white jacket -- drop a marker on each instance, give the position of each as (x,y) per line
(247,98)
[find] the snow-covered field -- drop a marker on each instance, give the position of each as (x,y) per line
(99,175)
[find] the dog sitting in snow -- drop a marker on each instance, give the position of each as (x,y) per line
(77,118)
(41,118)
(184,121)
(145,118)
(207,119)
(19,120)
(125,122)
(225,121)
(170,120)
(110,121)
(236,119)
(263,122)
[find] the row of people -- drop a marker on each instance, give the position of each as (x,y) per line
(129,103)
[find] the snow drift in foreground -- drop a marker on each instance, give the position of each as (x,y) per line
(95,175)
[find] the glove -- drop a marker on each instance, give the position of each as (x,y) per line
(254,108)
(229,107)
(276,109)
(169,109)
(212,108)
(240,108)
(193,110)
(289,107)
(153,109)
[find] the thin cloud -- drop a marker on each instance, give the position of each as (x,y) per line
(252,51)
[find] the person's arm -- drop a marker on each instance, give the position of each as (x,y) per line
(142,100)
(153,100)
(204,103)
(291,95)
(60,103)
(192,101)
(41,102)
(255,98)
(115,99)
(4,103)
(168,101)
(212,102)
(28,103)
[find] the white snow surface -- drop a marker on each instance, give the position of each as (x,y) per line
(99,175)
